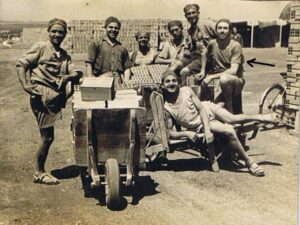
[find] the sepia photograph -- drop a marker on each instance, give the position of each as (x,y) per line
(161,112)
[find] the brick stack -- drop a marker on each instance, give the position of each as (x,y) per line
(81,32)
(293,65)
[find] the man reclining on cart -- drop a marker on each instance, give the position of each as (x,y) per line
(185,109)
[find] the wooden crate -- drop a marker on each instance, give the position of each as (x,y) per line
(111,132)
(97,88)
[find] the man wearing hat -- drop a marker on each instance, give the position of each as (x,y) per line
(49,84)
(173,48)
(184,108)
(108,54)
(199,33)
(228,61)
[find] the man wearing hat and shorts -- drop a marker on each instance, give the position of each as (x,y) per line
(49,83)
(108,55)
(173,49)
(199,33)
(228,59)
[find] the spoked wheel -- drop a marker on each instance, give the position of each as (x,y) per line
(112,188)
(272,101)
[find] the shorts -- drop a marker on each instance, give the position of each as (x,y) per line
(211,110)
(47,106)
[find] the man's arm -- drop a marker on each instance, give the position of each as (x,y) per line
(29,60)
(192,136)
(25,81)
(164,56)
(204,117)
(202,74)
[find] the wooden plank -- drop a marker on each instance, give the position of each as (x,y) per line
(80,133)
(162,120)
(141,127)
(155,116)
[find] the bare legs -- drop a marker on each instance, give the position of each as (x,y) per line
(47,137)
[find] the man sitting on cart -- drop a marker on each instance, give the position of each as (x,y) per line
(173,49)
(185,109)
(226,55)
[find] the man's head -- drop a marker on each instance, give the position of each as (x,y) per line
(175,28)
(142,38)
(192,12)
(223,29)
(112,26)
(234,30)
(57,30)
(169,81)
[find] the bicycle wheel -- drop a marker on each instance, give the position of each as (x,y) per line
(272,101)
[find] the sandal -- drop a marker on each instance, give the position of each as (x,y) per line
(45,178)
(256,170)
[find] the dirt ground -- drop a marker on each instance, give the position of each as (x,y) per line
(184,192)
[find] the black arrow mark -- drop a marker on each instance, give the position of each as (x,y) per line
(261,63)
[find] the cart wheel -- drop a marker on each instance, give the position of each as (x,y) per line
(272,101)
(112,188)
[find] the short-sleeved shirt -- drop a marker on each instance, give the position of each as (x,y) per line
(46,64)
(200,35)
(171,51)
(222,59)
(107,57)
(141,59)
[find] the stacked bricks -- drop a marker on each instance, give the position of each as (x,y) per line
(82,32)
(293,64)
(150,74)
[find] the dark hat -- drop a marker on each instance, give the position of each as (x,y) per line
(189,6)
(112,19)
(57,21)
(224,20)
(167,73)
(174,23)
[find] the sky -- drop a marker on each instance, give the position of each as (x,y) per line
(44,10)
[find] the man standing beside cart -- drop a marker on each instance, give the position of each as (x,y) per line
(49,84)
(108,57)
(228,59)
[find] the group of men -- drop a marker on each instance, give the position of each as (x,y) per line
(48,75)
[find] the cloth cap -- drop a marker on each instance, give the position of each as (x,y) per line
(57,21)
(140,33)
(174,23)
(112,19)
(224,20)
(167,73)
(189,6)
